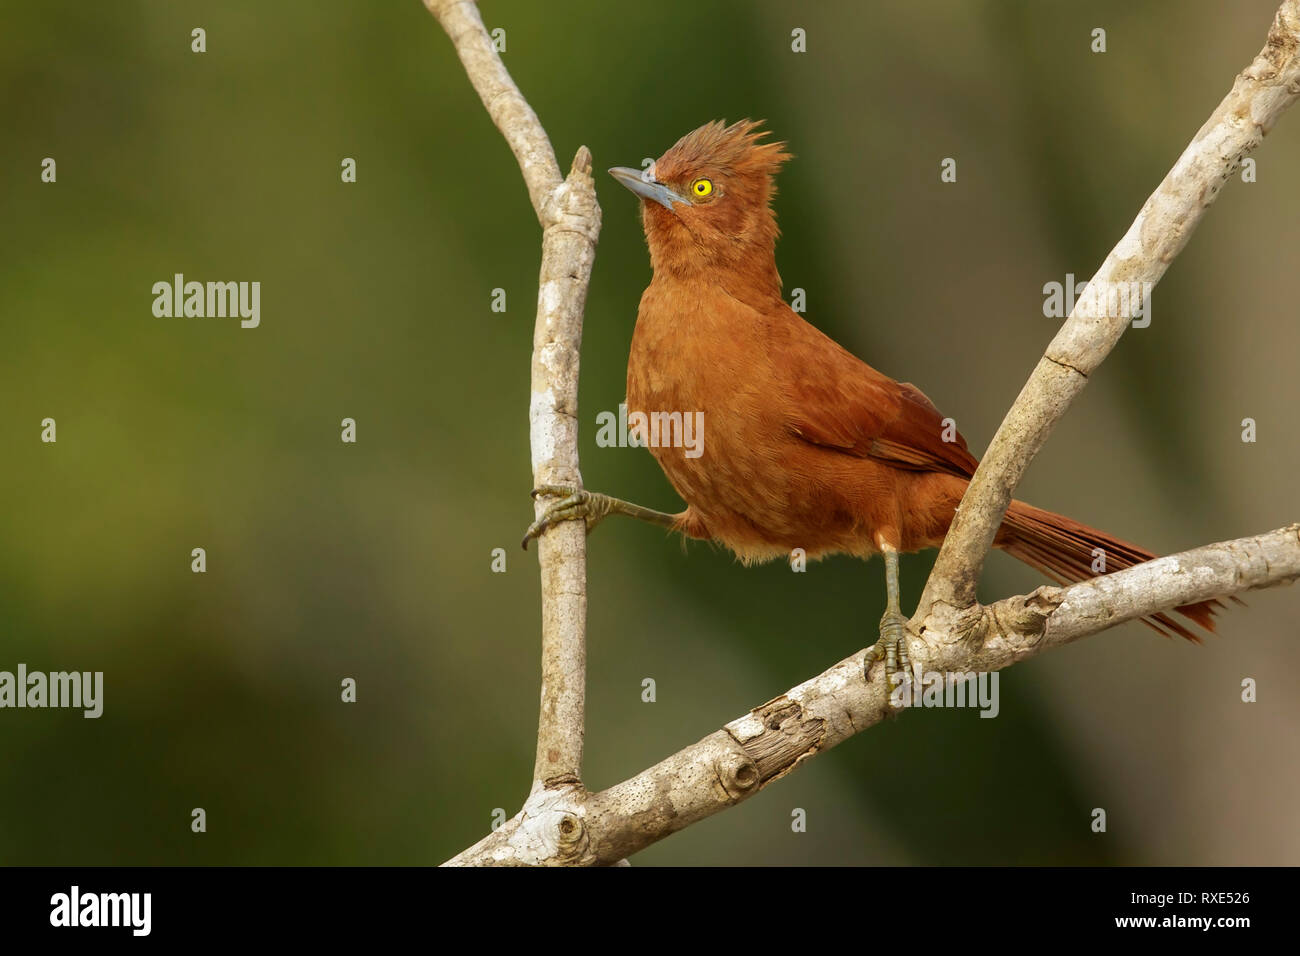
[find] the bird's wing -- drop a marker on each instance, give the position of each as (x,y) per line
(840,402)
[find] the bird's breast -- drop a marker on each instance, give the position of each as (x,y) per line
(706,395)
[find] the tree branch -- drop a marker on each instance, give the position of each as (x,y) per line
(570,219)
(501,98)
(560,822)
(1258,97)
(736,762)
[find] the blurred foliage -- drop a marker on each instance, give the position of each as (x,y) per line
(372,560)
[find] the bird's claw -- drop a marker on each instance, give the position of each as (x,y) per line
(574,503)
(891,648)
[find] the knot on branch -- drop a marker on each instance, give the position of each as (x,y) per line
(1024,619)
(551,827)
(572,206)
(571,837)
(738,774)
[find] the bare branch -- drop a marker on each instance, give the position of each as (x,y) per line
(734,763)
(570,218)
(568,251)
(501,98)
(1260,94)
(561,823)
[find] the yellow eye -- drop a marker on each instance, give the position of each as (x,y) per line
(701,187)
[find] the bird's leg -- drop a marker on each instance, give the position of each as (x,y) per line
(591,506)
(892,645)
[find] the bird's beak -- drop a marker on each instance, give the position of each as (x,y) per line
(634,179)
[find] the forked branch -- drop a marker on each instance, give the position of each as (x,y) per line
(561,823)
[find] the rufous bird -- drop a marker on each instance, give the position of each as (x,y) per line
(805,445)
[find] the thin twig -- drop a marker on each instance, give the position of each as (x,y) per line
(570,219)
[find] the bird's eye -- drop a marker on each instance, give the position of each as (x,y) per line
(702,187)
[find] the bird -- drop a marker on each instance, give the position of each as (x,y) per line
(802,444)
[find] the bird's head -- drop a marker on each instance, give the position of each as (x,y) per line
(705,202)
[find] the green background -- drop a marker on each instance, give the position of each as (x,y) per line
(372,561)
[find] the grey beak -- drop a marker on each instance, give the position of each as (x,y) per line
(635,180)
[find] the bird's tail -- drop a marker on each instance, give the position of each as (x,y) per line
(1066,551)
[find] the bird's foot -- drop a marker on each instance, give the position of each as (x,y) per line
(891,648)
(574,503)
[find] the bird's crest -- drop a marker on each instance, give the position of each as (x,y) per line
(737,149)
